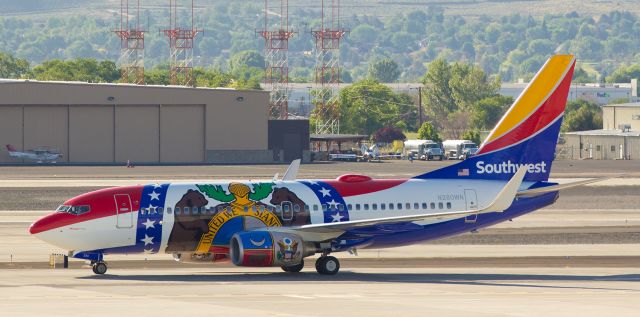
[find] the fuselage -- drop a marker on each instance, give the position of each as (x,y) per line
(202,217)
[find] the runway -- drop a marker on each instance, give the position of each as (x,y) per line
(354,292)
(580,256)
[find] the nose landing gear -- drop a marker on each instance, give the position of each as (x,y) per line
(99,267)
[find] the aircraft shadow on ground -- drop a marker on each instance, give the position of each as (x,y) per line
(509,280)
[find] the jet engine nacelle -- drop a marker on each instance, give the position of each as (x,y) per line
(264,248)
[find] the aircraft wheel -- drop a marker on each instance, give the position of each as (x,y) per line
(294,268)
(327,265)
(99,268)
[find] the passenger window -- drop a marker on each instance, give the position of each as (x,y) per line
(357,206)
(416,206)
(382,206)
(324,207)
(315,207)
(440,206)
(433,205)
(296,208)
(341,207)
(270,208)
(424,205)
(374,206)
(160,210)
(306,208)
(448,205)
(390,206)
(168,210)
(366,206)
(408,206)
(285,208)
(349,207)
(399,206)
(261,208)
(185,210)
(246,208)
(177,210)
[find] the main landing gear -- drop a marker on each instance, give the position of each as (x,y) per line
(327,265)
(99,267)
(293,268)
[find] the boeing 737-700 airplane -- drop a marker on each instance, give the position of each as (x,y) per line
(281,222)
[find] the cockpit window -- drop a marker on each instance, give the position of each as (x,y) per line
(74,210)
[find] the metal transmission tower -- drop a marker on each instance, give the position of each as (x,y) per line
(131,46)
(276,48)
(327,51)
(180,47)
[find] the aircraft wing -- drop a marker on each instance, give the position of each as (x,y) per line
(326,231)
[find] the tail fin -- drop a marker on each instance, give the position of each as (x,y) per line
(10,148)
(528,132)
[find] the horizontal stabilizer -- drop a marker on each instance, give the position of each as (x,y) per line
(553,188)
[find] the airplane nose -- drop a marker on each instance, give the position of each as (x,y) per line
(43,224)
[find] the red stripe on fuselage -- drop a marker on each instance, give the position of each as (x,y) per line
(346,189)
(101,202)
(547,113)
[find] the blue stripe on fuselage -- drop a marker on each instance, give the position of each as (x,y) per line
(448,228)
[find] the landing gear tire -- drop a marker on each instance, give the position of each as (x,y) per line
(99,268)
(327,265)
(294,268)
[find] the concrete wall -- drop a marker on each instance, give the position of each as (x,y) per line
(600,147)
(613,117)
(106,123)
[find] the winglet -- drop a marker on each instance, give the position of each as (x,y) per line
(10,148)
(292,172)
(505,197)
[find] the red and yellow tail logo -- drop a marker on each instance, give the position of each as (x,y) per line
(541,104)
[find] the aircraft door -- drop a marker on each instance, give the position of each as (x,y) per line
(472,204)
(124,211)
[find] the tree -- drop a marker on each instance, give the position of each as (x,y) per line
(366,106)
(388,134)
(581,115)
(81,69)
(472,135)
(486,112)
(624,74)
(428,131)
(11,67)
(248,58)
(438,97)
(384,70)
(581,76)
(364,35)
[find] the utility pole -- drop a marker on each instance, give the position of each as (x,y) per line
(420,106)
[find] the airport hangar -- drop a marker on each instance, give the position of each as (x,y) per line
(113,123)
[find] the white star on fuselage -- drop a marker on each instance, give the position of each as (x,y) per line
(337,217)
(149,224)
(147,239)
(157,185)
(154,195)
(333,203)
(325,192)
